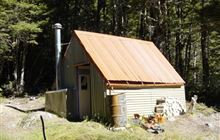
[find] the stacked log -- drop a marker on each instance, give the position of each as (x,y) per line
(159,108)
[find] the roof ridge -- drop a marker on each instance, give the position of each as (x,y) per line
(110,35)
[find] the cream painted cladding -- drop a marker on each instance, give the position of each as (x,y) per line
(143,101)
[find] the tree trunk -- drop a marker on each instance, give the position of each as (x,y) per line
(100,7)
(142,25)
(179,44)
(204,48)
(113,24)
(118,10)
(167,33)
(188,54)
(19,68)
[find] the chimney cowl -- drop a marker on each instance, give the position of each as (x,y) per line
(57,26)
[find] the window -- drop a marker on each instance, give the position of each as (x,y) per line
(84,82)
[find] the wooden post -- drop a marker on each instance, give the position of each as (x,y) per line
(192,103)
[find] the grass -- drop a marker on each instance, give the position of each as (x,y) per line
(2,99)
(202,108)
(60,129)
(88,131)
(95,131)
(4,136)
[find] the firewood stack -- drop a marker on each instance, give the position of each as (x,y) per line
(159,108)
(169,106)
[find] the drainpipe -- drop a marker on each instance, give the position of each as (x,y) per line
(57,28)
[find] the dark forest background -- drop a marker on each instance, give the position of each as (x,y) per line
(187,32)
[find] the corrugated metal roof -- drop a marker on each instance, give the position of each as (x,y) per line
(121,59)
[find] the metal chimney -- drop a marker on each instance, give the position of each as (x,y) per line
(57,28)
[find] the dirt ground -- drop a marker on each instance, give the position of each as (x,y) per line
(196,125)
(204,123)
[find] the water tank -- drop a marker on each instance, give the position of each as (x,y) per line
(119,110)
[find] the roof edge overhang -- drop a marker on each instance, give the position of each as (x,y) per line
(140,85)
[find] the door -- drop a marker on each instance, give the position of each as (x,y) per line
(84,94)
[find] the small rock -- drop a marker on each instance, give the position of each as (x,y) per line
(209,125)
(32,98)
(117,129)
(171,119)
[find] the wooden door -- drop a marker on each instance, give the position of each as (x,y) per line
(84,95)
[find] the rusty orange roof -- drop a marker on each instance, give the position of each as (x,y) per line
(121,59)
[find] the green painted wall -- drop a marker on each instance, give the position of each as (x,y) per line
(98,92)
(76,55)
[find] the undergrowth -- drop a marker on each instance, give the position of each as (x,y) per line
(202,108)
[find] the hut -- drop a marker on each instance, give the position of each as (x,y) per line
(96,66)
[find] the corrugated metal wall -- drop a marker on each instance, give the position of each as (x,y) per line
(74,55)
(97,93)
(143,101)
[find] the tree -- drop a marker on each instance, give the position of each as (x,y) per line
(204,47)
(187,33)
(19,31)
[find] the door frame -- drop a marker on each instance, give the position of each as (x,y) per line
(83,70)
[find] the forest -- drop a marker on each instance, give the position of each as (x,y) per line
(187,32)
